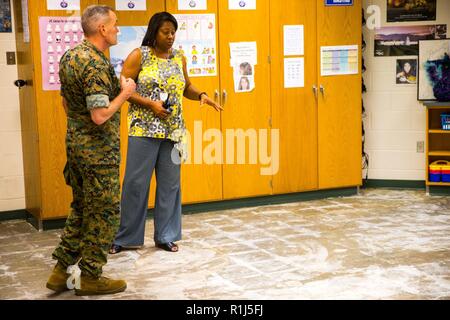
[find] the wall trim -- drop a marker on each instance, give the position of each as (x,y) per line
(395,184)
(13,215)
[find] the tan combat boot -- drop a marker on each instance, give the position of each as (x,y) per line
(58,279)
(102,285)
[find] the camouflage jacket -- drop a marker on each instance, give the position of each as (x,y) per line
(88,81)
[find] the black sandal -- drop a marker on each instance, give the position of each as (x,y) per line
(115,249)
(169,246)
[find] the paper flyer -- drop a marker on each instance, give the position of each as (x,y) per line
(192,5)
(242,4)
(294,72)
(293,36)
(63,4)
(131,5)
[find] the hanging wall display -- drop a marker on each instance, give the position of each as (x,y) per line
(192,5)
(196,38)
(131,5)
(339,60)
(293,40)
(242,4)
(128,39)
(57,35)
(434,70)
(243,58)
(294,72)
(406,71)
(5,16)
(410,10)
(63,4)
(404,40)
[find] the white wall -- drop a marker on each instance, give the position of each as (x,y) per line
(395,120)
(12,190)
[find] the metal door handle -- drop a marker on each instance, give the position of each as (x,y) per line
(316,92)
(224,97)
(20,83)
(216,96)
(322,90)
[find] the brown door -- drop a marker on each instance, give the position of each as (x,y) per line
(339,117)
(294,110)
(246,113)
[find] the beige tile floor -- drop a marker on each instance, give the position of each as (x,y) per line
(381,244)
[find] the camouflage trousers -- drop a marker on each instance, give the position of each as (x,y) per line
(94,216)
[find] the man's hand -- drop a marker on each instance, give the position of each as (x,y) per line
(128,86)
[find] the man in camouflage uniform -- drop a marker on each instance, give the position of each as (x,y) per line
(92,96)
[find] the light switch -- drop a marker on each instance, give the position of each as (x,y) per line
(10,58)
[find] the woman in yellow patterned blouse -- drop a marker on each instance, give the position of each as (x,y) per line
(156,128)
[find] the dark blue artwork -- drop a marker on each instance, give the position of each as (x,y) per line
(5,16)
(438,72)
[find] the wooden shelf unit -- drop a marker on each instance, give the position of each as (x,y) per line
(438,140)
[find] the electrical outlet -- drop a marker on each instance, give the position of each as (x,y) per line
(420,147)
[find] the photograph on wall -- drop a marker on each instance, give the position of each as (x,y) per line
(129,39)
(5,16)
(57,35)
(196,38)
(434,70)
(244,78)
(411,10)
(404,40)
(406,71)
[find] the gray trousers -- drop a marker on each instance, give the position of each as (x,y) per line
(144,155)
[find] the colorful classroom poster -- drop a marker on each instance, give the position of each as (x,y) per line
(128,39)
(57,34)
(63,4)
(192,5)
(196,38)
(128,5)
(339,60)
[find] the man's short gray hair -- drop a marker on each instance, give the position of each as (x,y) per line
(92,16)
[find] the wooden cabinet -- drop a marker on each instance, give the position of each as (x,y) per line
(319,134)
(438,140)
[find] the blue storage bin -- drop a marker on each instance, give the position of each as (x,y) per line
(445,121)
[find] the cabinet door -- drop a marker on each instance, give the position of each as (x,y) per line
(201,180)
(249,111)
(135,18)
(49,119)
(339,117)
(294,110)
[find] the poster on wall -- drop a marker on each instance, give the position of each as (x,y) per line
(404,40)
(242,4)
(192,5)
(5,16)
(406,71)
(294,72)
(433,83)
(57,35)
(339,60)
(63,4)
(131,5)
(293,39)
(128,39)
(411,10)
(196,38)
(243,58)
